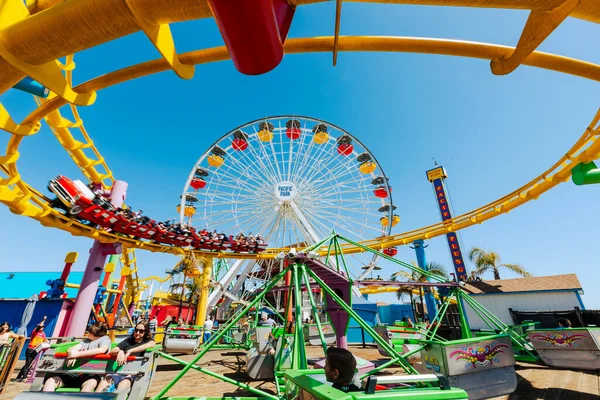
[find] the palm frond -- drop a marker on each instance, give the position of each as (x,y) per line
(405,276)
(480,270)
(404,290)
(475,253)
(517,269)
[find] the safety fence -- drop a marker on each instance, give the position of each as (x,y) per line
(549,319)
(9,355)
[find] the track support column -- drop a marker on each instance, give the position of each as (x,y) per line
(202,307)
(93,270)
(419,246)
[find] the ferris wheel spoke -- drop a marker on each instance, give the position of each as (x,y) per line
(282,150)
(268,167)
(305,151)
(214,184)
(229,211)
(252,180)
(344,166)
(346,172)
(343,219)
(246,188)
(255,162)
(324,159)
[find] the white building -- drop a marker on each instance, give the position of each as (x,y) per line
(544,293)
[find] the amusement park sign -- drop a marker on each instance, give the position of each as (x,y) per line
(285,191)
(437,176)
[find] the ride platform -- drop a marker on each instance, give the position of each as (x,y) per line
(535,381)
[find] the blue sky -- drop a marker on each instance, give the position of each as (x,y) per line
(491,133)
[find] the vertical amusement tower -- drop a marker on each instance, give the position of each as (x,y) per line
(437,176)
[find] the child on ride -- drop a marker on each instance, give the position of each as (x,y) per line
(340,365)
(135,345)
(96,343)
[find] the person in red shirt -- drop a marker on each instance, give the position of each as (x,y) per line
(37,337)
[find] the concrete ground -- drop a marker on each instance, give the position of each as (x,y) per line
(534,381)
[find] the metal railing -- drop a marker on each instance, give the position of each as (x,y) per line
(9,354)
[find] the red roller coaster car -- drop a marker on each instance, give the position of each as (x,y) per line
(78,200)
(73,195)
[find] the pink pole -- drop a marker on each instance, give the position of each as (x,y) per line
(93,270)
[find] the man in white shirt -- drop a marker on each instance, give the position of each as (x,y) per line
(208,325)
(266,320)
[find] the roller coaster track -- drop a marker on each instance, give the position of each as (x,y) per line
(23,51)
(157,278)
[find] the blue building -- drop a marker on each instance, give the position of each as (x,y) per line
(22,285)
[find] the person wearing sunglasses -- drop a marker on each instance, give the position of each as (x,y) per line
(135,345)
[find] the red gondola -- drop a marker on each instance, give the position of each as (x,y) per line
(381,192)
(293,130)
(198,183)
(239,144)
(390,251)
(345,149)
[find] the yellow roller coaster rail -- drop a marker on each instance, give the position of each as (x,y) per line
(26,49)
(156,278)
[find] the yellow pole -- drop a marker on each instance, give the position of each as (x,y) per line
(202,306)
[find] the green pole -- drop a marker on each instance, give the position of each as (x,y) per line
(464,324)
(278,356)
(216,338)
(221,377)
(314,307)
(413,351)
(386,346)
(428,274)
(299,334)
(319,244)
(339,249)
(433,327)
(499,324)
(328,257)
(275,309)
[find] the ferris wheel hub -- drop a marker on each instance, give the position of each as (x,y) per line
(285,191)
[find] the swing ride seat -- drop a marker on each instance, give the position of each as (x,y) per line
(260,363)
(568,348)
(311,384)
(311,333)
(402,339)
(182,340)
(54,362)
(483,366)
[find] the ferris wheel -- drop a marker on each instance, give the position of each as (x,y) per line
(292,180)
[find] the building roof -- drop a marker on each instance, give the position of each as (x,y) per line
(21,285)
(534,284)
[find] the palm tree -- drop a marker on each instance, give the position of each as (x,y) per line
(490,261)
(186,265)
(407,290)
(433,268)
(193,286)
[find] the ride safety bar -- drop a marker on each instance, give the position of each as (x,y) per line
(101,357)
(373,381)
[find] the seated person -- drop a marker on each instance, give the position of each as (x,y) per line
(340,365)
(564,323)
(6,334)
(96,343)
(135,345)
